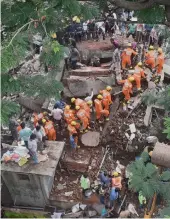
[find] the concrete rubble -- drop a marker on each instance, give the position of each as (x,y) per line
(90,139)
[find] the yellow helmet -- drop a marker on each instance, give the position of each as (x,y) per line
(77,107)
(73,123)
(44,113)
(44,120)
(131,79)
(151,47)
(150,153)
(139,63)
(115,174)
(100,97)
(67,107)
(89,102)
(160,50)
(108,88)
(73,100)
(129,44)
(74,18)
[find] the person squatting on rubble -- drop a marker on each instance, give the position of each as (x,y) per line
(138,74)
(126,56)
(127,88)
(32,146)
(74,57)
(85,183)
(99,109)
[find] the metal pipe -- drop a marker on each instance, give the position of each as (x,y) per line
(30,208)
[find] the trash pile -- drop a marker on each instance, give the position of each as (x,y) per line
(18,155)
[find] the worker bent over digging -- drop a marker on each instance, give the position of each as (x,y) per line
(99,109)
(127,88)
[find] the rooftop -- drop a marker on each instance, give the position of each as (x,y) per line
(46,168)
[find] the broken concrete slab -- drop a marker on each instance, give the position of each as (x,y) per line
(80,163)
(90,139)
(148,116)
(68,193)
(90,71)
(132,128)
(79,86)
(152,139)
(166,69)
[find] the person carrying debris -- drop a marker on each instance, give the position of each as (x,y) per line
(139,72)
(73,127)
(127,87)
(74,143)
(99,109)
(150,58)
(84,118)
(126,56)
(106,100)
(32,146)
(24,134)
(74,57)
(85,182)
(159,64)
(49,129)
(117,180)
(69,114)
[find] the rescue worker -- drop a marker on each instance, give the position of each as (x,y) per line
(126,56)
(84,118)
(38,117)
(69,114)
(117,180)
(139,72)
(77,102)
(73,127)
(127,87)
(106,100)
(150,58)
(99,108)
(83,104)
(160,62)
(49,129)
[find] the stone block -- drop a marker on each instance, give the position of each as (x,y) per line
(90,71)
(80,163)
(91,139)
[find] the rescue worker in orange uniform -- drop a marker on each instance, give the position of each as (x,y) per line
(139,72)
(69,114)
(19,126)
(160,61)
(73,127)
(150,58)
(84,117)
(117,180)
(49,129)
(83,104)
(106,100)
(127,87)
(99,108)
(38,117)
(126,56)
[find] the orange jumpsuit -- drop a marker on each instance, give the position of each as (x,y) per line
(37,117)
(150,59)
(79,102)
(139,72)
(99,109)
(19,128)
(127,88)
(84,117)
(126,57)
(106,101)
(50,131)
(160,62)
(69,115)
(116,182)
(86,107)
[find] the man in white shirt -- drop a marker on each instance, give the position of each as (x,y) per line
(139,32)
(57,115)
(89,98)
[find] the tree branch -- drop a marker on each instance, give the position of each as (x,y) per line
(18,31)
(133,5)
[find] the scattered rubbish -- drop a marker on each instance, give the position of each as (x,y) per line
(60,187)
(68,193)
(132,136)
(83,206)
(119,167)
(56,215)
(76,208)
(152,139)
(127,135)
(92,213)
(132,128)
(22,161)
(124,214)
(132,209)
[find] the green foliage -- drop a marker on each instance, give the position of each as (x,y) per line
(144,156)
(165,213)
(151,15)
(8,108)
(146,178)
(167,127)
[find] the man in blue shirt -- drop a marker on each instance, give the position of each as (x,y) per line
(73,143)
(24,134)
(114,193)
(103,176)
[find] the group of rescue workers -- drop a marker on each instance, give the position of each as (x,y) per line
(152,61)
